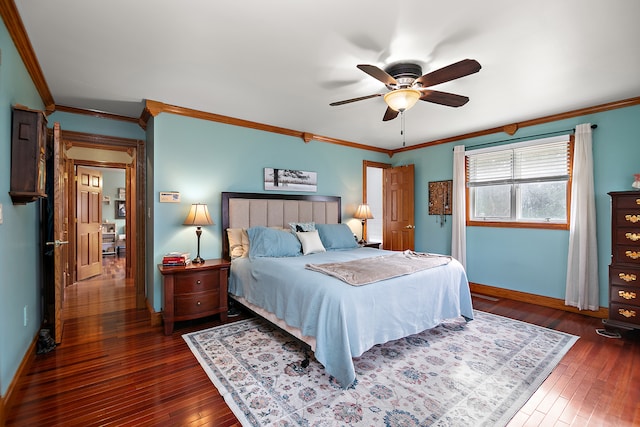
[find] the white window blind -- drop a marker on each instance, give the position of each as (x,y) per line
(526,162)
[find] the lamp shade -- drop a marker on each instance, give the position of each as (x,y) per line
(198,215)
(402,99)
(363,212)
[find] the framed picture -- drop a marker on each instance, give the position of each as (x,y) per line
(122,193)
(121,209)
(290,180)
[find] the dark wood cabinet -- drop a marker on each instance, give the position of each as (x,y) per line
(194,291)
(624,271)
(28,155)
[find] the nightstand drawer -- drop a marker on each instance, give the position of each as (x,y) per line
(194,304)
(197,282)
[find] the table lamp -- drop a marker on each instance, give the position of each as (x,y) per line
(363,213)
(198,216)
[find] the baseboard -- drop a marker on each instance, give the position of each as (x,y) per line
(155,316)
(602,313)
(27,361)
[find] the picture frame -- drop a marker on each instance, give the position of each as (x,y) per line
(290,180)
(120,209)
(122,193)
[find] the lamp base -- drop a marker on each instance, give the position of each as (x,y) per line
(198,260)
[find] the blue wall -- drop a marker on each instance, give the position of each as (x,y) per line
(201,159)
(530,260)
(19,235)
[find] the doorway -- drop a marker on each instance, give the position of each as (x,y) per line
(373,195)
(100,151)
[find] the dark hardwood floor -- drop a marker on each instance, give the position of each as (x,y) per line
(112,368)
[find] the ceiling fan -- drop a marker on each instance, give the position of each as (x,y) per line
(407,85)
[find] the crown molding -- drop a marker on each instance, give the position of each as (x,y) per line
(512,128)
(153,108)
(15,27)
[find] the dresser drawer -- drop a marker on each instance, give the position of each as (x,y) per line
(625,295)
(628,202)
(627,218)
(628,236)
(624,276)
(197,282)
(624,313)
(627,255)
(194,304)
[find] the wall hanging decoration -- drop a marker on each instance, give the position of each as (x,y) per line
(440,199)
(290,180)
(121,211)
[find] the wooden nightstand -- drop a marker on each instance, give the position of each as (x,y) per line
(371,245)
(194,291)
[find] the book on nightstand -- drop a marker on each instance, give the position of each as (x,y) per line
(176,259)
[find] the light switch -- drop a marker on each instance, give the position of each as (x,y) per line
(0,213)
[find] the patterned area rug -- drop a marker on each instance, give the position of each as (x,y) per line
(456,374)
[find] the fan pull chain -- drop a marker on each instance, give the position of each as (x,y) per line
(402,128)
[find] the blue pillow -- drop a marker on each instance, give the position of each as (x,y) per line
(336,236)
(268,242)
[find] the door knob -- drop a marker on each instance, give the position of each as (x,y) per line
(57,243)
(409,226)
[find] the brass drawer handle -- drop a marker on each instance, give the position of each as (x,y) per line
(632,254)
(627,295)
(198,282)
(637,201)
(632,218)
(198,303)
(627,313)
(632,236)
(627,277)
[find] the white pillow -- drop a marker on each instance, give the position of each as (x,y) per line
(311,242)
(238,242)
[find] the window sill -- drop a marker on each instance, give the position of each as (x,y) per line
(514,224)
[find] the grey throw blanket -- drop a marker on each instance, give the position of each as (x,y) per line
(368,270)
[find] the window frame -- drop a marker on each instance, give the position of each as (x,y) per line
(523,224)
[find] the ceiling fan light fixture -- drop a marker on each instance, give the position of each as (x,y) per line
(402,99)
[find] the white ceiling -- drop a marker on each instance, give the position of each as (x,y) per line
(281,62)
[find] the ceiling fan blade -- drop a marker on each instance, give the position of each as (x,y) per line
(390,114)
(450,72)
(444,98)
(361,98)
(378,73)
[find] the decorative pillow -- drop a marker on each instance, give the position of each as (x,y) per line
(268,242)
(302,226)
(311,242)
(238,242)
(336,236)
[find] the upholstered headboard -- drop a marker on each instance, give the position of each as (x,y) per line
(244,210)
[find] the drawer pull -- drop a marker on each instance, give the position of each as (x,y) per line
(632,236)
(627,295)
(627,313)
(632,218)
(632,254)
(198,303)
(637,201)
(627,277)
(198,282)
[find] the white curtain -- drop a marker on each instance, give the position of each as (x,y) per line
(458,227)
(582,266)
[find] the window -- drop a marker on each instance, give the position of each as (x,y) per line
(522,184)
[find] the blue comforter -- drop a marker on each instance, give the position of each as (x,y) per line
(346,320)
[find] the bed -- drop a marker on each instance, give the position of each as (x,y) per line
(337,320)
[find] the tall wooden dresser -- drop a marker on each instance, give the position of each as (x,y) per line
(624,271)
